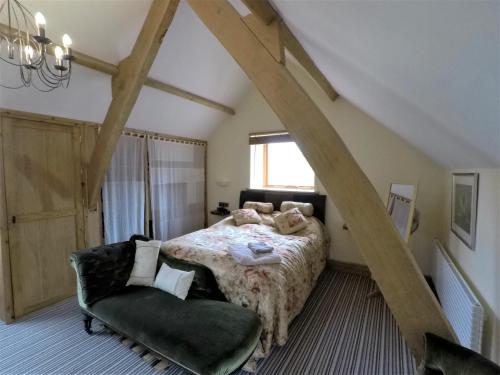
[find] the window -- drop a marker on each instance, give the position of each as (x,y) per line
(277,163)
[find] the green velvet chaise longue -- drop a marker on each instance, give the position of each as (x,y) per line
(203,334)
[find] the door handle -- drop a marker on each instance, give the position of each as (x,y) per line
(13,219)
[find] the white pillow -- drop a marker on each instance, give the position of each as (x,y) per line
(260,207)
(307,209)
(146,259)
(174,281)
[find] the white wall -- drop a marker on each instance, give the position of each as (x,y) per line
(481,267)
(384,157)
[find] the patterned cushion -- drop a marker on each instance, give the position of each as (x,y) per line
(246,216)
(261,207)
(307,209)
(268,219)
(290,221)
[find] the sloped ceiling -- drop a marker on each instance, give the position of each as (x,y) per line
(428,70)
(189,58)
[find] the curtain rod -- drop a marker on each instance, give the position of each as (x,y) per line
(163,137)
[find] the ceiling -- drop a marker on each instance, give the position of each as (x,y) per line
(189,58)
(427,70)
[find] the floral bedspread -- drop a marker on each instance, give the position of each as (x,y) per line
(277,292)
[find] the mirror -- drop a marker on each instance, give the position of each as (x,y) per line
(401,207)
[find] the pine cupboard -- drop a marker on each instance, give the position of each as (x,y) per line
(42,209)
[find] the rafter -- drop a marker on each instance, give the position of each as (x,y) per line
(263,10)
(293,45)
(128,83)
(111,69)
(392,265)
(270,35)
(267,15)
(150,82)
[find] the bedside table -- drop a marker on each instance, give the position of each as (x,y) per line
(216,216)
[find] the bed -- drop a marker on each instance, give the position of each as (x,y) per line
(277,292)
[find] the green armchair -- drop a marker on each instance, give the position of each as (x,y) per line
(445,358)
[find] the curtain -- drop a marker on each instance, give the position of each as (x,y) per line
(177,184)
(123,192)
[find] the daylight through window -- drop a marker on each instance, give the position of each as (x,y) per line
(277,163)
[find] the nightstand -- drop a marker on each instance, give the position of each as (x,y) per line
(216,216)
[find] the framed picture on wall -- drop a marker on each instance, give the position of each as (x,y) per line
(464,207)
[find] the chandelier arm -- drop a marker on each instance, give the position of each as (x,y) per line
(51,88)
(10,62)
(26,82)
(49,81)
(69,75)
(11,87)
(59,77)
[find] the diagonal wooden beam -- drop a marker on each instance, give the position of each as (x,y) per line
(293,45)
(265,12)
(270,35)
(111,69)
(128,83)
(392,265)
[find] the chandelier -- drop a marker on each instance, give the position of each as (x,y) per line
(24,45)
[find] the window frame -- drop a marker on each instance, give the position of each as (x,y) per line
(265,177)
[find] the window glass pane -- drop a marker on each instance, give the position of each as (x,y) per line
(256,166)
(287,166)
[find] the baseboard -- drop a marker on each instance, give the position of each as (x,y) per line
(339,266)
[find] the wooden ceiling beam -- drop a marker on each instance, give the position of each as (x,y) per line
(267,15)
(270,35)
(150,82)
(263,10)
(393,267)
(293,45)
(127,86)
(111,69)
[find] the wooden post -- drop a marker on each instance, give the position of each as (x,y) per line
(126,88)
(393,267)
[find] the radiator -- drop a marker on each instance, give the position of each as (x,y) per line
(462,308)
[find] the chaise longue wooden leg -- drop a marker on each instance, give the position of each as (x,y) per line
(87,323)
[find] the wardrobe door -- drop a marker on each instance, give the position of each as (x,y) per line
(44,209)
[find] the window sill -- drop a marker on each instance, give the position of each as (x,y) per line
(284,189)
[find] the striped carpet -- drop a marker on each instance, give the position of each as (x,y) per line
(340,331)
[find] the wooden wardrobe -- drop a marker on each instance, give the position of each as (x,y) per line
(43,218)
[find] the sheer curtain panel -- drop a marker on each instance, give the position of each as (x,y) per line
(123,192)
(177,184)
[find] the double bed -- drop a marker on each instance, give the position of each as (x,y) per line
(277,292)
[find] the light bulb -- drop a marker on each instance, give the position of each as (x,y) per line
(28,51)
(39,19)
(58,53)
(67,42)
(40,24)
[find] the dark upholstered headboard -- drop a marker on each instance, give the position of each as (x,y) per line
(278,196)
